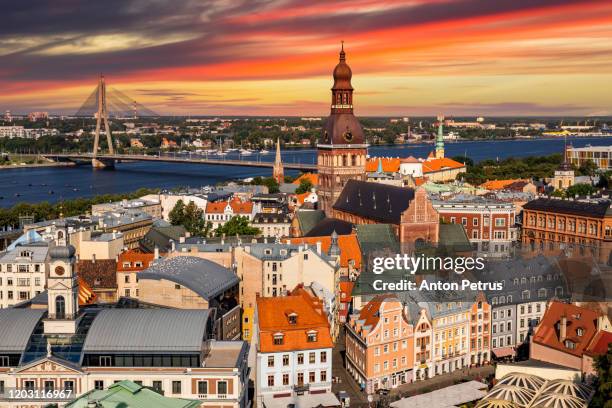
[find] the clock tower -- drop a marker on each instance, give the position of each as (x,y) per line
(341,155)
(62,292)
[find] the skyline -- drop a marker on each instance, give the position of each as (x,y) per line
(462,58)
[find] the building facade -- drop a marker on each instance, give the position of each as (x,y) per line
(23,273)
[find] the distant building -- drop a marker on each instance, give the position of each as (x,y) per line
(150,206)
(36,116)
(272,225)
(220,212)
(278,173)
(129,264)
(600,155)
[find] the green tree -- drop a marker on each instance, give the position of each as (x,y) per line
(305,186)
(237,226)
(191,217)
(580,189)
(603,383)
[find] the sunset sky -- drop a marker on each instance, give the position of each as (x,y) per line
(275,57)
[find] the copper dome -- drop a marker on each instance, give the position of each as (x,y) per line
(342,73)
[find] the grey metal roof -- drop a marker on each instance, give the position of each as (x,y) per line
(206,278)
(17,327)
(39,253)
(147,330)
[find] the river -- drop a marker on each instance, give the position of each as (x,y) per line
(59,183)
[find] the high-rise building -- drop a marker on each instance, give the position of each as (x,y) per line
(341,155)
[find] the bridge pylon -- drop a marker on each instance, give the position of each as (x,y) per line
(102,116)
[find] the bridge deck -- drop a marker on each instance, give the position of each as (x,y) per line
(177,159)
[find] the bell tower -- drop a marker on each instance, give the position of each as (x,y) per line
(62,292)
(341,155)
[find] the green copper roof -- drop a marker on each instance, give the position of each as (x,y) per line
(128,394)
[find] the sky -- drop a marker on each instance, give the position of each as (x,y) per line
(275,57)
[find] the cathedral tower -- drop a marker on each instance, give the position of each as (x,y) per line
(62,292)
(341,154)
(440,139)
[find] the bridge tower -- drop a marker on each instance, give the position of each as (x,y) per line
(102,115)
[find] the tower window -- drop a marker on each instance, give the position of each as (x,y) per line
(60,307)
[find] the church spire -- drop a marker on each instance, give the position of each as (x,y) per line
(440,138)
(278,172)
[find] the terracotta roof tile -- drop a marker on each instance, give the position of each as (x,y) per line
(600,343)
(498,184)
(369,313)
(346,291)
(434,165)
(312,177)
(548,332)
(273,319)
(133,256)
(238,207)
(389,164)
(349,247)
(101,274)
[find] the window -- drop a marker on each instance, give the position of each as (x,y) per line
(49,386)
(68,385)
(202,388)
(4,361)
(323,376)
(157,386)
(106,361)
(324,356)
(312,377)
(278,339)
(177,286)
(270,361)
(292,318)
(270,381)
(312,358)
(60,307)
(300,358)
(285,379)
(285,360)
(312,337)
(475,222)
(126,278)
(176,387)
(300,378)
(500,222)
(98,384)
(127,293)
(1,387)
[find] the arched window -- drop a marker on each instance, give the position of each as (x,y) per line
(60,234)
(60,307)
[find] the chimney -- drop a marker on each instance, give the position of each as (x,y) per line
(172,245)
(93,258)
(182,240)
(319,247)
(563,329)
(156,252)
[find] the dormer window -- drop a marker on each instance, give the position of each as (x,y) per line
(312,336)
(278,339)
(580,332)
(570,344)
(292,317)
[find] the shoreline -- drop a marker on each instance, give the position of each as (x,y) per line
(35,165)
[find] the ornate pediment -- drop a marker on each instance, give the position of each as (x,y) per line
(50,365)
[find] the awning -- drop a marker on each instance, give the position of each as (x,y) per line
(503,352)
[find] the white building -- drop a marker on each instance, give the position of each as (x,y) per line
(411,166)
(23,273)
(294,349)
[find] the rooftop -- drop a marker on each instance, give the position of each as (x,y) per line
(147,330)
(596,208)
(17,327)
(206,278)
(449,397)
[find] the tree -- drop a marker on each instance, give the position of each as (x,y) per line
(588,168)
(464,159)
(305,186)
(581,189)
(603,383)
(191,217)
(237,226)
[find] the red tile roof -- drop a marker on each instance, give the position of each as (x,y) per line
(346,291)
(312,177)
(370,312)
(389,164)
(133,256)
(600,343)
(238,207)
(548,331)
(273,319)
(86,293)
(349,247)
(498,184)
(435,165)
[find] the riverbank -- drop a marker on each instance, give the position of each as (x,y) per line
(34,165)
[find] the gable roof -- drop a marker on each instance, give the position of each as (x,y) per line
(593,208)
(389,164)
(99,274)
(206,278)
(273,319)
(380,202)
(498,184)
(547,333)
(17,328)
(238,206)
(132,256)
(435,165)
(600,343)
(328,225)
(147,330)
(307,219)
(349,247)
(312,177)
(370,313)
